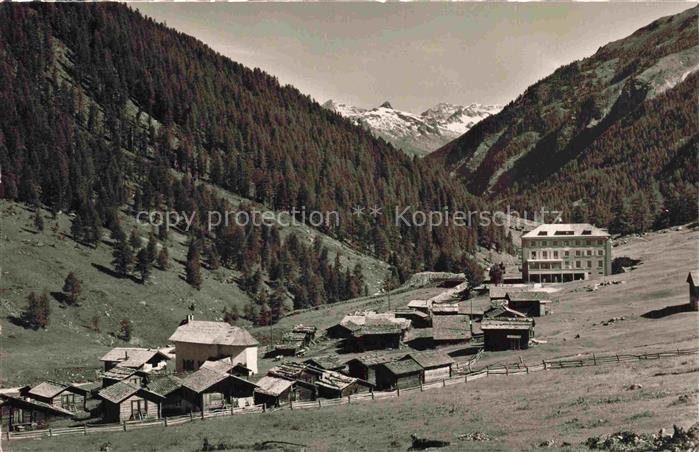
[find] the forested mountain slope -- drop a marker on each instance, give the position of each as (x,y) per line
(610,139)
(102,105)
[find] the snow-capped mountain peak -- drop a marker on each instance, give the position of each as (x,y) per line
(416,134)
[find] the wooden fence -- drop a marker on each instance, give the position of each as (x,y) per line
(519,368)
(87,429)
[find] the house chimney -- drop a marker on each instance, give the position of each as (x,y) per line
(190,317)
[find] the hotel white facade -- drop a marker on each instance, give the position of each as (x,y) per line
(566,252)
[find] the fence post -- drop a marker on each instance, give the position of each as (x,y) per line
(398,391)
(527,368)
(421,388)
(191,415)
(594,358)
(123,423)
(319,405)
(165,421)
(202,413)
(544,361)
(617,357)
(372,393)
(50,432)
(444,383)
(507,371)
(85,428)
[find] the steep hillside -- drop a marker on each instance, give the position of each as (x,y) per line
(416,134)
(109,113)
(599,136)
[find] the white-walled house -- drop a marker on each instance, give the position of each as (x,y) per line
(197,341)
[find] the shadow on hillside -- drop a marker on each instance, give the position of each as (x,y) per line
(110,272)
(666,311)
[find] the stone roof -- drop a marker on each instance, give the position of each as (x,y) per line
(406,367)
(119,391)
(219,333)
(273,386)
(326,362)
(566,230)
(164,384)
(49,389)
(131,356)
(373,358)
(203,379)
(431,359)
(451,327)
(503,311)
(119,373)
(529,296)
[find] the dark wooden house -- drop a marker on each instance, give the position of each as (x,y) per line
(532,304)
(364,367)
(273,391)
(436,366)
(68,397)
(693,281)
(398,375)
(506,334)
(377,337)
(125,402)
(169,387)
(328,362)
(208,389)
(21,413)
(118,373)
(418,319)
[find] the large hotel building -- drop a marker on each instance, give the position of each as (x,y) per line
(565,252)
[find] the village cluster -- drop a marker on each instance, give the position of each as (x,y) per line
(212,365)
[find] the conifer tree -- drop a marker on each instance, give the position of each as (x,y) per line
(143,264)
(123,258)
(163,258)
(125,330)
(72,288)
(38,220)
(193,267)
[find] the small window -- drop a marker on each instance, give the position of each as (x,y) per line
(600,264)
(577,252)
(600,252)
(577,264)
(533,254)
(589,264)
(555,243)
(544,254)
(555,254)
(566,253)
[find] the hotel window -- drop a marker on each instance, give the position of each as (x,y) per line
(589,264)
(555,254)
(577,264)
(600,252)
(577,252)
(545,254)
(555,243)
(589,252)
(567,264)
(533,254)
(566,253)
(599,264)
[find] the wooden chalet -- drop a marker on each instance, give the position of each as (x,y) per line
(693,281)
(68,397)
(420,305)
(124,401)
(208,389)
(144,359)
(169,387)
(451,328)
(273,391)
(364,367)
(23,413)
(377,337)
(500,292)
(398,375)
(226,365)
(533,304)
(436,366)
(506,334)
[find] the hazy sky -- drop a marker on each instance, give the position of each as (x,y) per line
(414,55)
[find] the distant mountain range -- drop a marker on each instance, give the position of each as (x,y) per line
(610,139)
(416,134)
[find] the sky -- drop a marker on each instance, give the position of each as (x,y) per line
(414,55)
